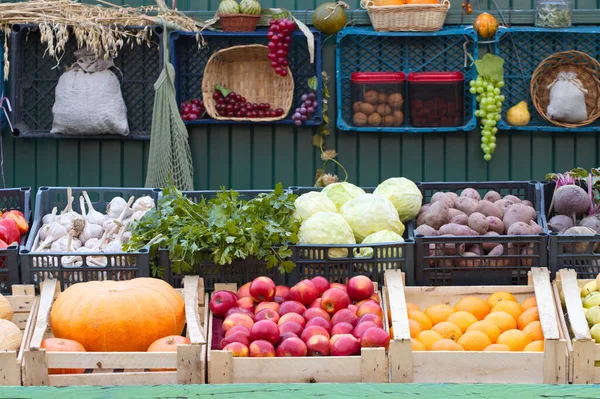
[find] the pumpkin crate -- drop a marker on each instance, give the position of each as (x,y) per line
(406,365)
(38,266)
(186,366)
(371,366)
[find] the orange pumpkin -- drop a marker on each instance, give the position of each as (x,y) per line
(422,2)
(486,25)
(383,3)
(63,345)
(118,316)
(168,344)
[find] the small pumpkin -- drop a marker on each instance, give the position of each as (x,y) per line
(330,18)
(422,2)
(118,316)
(485,25)
(6,310)
(10,336)
(63,345)
(168,344)
(385,3)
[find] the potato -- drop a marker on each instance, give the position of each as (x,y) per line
(452,195)
(488,245)
(560,222)
(455,212)
(528,203)
(426,230)
(424,209)
(498,250)
(535,228)
(460,219)
(475,262)
(436,215)
(466,204)
(436,250)
(527,254)
(440,196)
(518,213)
(512,198)
(592,221)
(421,219)
(492,196)
(580,247)
(471,193)
(504,205)
(476,249)
(519,229)
(456,230)
(496,224)
(489,209)
(478,222)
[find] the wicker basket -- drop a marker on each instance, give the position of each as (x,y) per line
(410,17)
(588,72)
(239,22)
(247,71)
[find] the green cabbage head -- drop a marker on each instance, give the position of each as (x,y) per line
(312,202)
(327,228)
(383,236)
(404,194)
(370,213)
(340,193)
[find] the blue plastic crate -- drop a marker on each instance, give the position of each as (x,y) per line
(364,50)
(189,62)
(532,46)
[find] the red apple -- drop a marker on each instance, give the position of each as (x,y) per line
(240,310)
(238,329)
(321,283)
(370,307)
(313,330)
(246,302)
(237,319)
(359,330)
(292,327)
(342,328)
(285,336)
(291,307)
(359,288)
(353,308)
(265,329)
(334,300)
(316,303)
(235,337)
(359,303)
(375,337)
(376,298)
(318,345)
(338,285)
(311,313)
(266,305)
(262,289)
(244,291)
(292,347)
(283,292)
(278,299)
(267,314)
(304,292)
(261,348)
(292,317)
(319,321)
(371,317)
(221,302)
(344,315)
(344,345)
(237,349)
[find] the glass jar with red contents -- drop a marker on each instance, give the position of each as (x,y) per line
(378,99)
(436,99)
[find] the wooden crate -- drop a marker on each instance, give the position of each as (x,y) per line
(549,367)
(584,352)
(120,368)
(223,368)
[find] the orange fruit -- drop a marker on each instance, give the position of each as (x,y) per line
(417,345)
(428,338)
(474,305)
(534,330)
(535,346)
(510,307)
(448,330)
(446,345)
(474,341)
(412,306)
(527,317)
(500,296)
(462,319)
(516,340)
(438,313)
(420,318)
(415,328)
(488,328)
(503,320)
(497,348)
(529,303)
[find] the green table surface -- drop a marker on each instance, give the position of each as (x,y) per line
(279,391)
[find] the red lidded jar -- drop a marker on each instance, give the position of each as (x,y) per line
(378,99)
(436,99)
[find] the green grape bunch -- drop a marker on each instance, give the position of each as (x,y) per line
(490,99)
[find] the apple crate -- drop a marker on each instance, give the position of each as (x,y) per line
(549,367)
(584,352)
(120,368)
(371,366)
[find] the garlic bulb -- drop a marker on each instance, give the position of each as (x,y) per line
(51,217)
(109,223)
(90,230)
(143,204)
(117,244)
(118,222)
(71,219)
(71,261)
(137,215)
(44,231)
(93,215)
(57,231)
(61,245)
(92,243)
(126,237)
(117,206)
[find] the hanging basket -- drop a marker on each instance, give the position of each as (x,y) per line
(588,72)
(239,22)
(409,17)
(247,71)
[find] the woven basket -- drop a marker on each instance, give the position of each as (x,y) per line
(410,17)
(247,71)
(588,72)
(239,22)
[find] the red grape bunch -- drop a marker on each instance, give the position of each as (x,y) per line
(192,110)
(235,106)
(280,31)
(307,107)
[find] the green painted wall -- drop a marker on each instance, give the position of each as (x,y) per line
(246,157)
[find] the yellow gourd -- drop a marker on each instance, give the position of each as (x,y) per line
(486,25)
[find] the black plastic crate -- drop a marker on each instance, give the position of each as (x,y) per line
(436,265)
(36,267)
(315,260)
(19,199)
(561,247)
(34,76)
